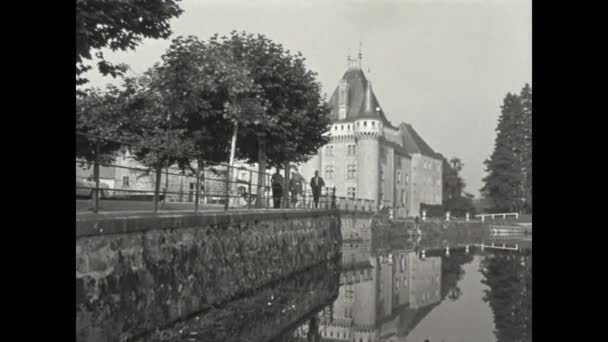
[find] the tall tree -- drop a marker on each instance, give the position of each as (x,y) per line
(526,141)
(505,183)
(291,126)
(118,25)
(453,184)
(98,114)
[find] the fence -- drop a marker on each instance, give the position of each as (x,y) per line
(117,182)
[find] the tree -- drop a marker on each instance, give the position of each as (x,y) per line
(526,140)
(453,184)
(509,294)
(98,114)
(290,128)
(118,25)
(510,163)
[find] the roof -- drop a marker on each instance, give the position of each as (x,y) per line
(414,143)
(357,100)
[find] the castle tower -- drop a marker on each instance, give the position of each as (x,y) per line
(367,135)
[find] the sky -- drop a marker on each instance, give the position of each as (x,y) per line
(443,66)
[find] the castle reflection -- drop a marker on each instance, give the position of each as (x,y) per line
(382,297)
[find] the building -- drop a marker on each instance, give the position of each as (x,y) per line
(393,294)
(370,158)
(126,177)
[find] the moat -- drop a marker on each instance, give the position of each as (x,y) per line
(384,291)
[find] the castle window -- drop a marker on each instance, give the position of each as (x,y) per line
(373,123)
(329,150)
(351,150)
(125,181)
(335,128)
(398,177)
(341,127)
(348,127)
(365,123)
(352,192)
(351,171)
(329,172)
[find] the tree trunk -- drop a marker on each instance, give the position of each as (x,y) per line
(286,199)
(231,172)
(158,175)
(166,186)
(261,172)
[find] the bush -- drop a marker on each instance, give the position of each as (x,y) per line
(459,206)
(432,210)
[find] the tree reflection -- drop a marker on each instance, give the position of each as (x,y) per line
(451,273)
(509,278)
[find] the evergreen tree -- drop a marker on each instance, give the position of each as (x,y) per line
(508,182)
(526,149)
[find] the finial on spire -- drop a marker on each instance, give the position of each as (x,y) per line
(348,61)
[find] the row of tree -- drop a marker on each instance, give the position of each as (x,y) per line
(509,180)
(185,109)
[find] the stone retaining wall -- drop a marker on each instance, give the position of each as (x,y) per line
(136,274)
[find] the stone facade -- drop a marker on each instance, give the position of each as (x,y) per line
(369,158)
(135,274)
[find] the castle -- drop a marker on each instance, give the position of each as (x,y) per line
(369,158)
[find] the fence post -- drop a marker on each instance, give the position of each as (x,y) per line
(198,186)
(96,175)
(249,191)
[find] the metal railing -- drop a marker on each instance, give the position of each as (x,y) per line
(493,216)
(125,184)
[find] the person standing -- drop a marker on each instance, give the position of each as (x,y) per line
(277,188)
(316,184)
(295,187)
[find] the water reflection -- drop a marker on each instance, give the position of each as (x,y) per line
(386,293)
(268,314)
(509,294)
(382,292)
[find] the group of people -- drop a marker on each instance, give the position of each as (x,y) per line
(296,188)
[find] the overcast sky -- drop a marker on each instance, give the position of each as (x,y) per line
(443,66)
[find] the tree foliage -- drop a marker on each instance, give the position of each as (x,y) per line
(118,25)
(509,294)
(453,184)
(294,114)
(509,180)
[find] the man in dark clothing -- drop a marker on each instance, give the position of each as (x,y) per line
(295,187)
(316,184)
(277,188)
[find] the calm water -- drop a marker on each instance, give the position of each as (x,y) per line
(386,292)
